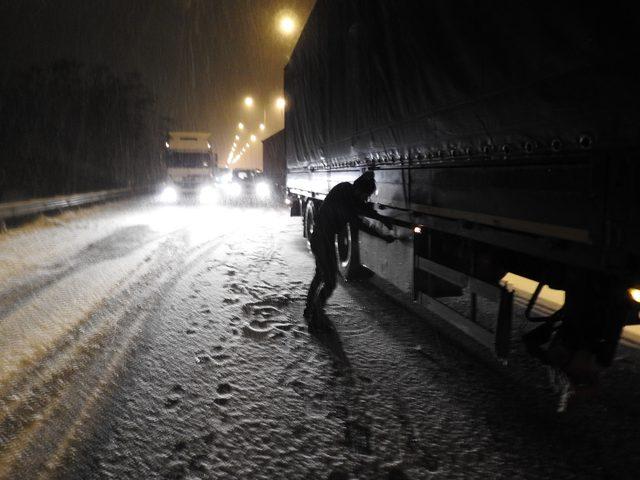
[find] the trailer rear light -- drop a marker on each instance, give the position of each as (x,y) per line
(634,293)
(417,230)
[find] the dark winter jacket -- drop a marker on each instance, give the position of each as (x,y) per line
(342,206)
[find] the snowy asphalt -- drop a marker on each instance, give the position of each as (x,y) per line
(142,341)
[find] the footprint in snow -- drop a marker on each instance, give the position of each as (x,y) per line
(338,475)
(221,358)
(255,333)
(236,288)
(224,389)
(179,446)
(358,437)
(198,463)
(171,402)
(209,438)
(396,473)
(202,358)
(175,397)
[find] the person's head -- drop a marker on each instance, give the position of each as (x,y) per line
(365,186)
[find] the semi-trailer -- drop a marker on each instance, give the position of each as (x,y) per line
(504,138)
(274,162)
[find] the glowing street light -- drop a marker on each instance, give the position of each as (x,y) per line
(240,126)
(237,137)
(286,24)
(248,101)
(247,145)
(262,127)
(252,138)
(280,103)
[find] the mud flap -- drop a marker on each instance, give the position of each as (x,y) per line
(503,324)
(296,207)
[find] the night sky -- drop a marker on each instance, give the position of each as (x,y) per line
(199,57)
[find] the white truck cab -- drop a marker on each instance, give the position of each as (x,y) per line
(190,161)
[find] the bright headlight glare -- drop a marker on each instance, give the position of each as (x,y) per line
(262,190)
(634,293)
(233,189)
(207,194)
(169,194)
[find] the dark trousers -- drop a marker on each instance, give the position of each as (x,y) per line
(324,280)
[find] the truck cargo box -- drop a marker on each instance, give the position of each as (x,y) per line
(522,116)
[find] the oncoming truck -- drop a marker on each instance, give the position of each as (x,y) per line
(191,165)
(504,138)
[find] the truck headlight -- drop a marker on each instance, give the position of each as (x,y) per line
(233,189)
(207,195)
(263,190)
(169,194)
(634,293)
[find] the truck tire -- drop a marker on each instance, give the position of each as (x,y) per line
(309,220)
(347,252)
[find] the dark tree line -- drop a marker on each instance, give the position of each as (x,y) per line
(69,128)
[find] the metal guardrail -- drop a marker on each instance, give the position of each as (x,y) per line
(23,208)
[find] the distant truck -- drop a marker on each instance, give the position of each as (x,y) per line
(191,164)
(504,137)
(274,162)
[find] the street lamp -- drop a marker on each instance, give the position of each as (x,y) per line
(280,103)
(237,137)
(262,127)
(253,138)
(240,126)
(248,101)
(286,24)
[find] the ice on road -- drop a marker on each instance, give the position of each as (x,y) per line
(148,341)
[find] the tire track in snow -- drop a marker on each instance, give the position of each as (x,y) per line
(120,243)
(52,424)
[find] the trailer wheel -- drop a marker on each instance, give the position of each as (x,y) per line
(347,252)
(309,220)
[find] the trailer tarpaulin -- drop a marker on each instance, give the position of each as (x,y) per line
(394,76)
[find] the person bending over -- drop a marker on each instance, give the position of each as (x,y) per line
(345,203)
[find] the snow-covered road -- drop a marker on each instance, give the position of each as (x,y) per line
(142,341)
